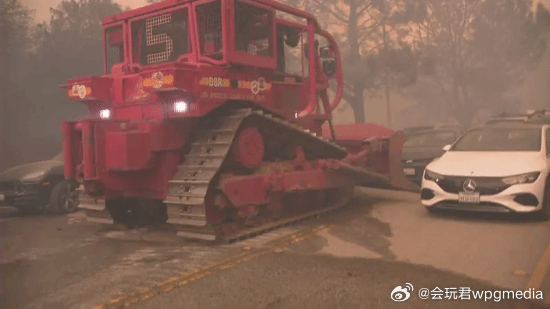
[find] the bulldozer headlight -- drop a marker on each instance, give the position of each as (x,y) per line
(181,107)
(105,114)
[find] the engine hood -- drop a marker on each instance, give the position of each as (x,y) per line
(421,153)
(488,164)
(19,172)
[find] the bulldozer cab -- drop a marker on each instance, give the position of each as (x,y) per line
(267,37)
(252,34)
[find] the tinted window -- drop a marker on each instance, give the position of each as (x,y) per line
(431,139)
(500,139)
(209,24)
(505,121)
(114,46)
(253,29)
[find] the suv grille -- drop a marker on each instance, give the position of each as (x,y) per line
(484,185)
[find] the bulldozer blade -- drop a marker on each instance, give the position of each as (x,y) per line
(362,140)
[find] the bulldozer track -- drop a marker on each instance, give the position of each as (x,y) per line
(253,232)
(197,174)
(185,202)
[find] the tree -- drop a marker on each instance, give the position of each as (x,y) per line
(67,46)
(540,92)
(70,45)
(14,25)
(475,50)
(358,27)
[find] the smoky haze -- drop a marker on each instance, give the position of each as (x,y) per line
(397,57)
(540,90)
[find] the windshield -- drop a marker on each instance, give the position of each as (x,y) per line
(430,139)
(160,38)
(500,139)
(58,157)
(505,121)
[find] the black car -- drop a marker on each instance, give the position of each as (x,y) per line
(421,147)
(534,116)
(37,186)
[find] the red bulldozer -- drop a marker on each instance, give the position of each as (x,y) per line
(213,118)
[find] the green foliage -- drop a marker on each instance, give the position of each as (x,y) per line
(15,22)
(67,46)
(72,41)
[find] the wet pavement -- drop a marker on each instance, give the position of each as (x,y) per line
(350,258)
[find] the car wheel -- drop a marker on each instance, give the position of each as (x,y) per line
(64,198)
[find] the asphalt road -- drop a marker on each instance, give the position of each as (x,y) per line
(351,258)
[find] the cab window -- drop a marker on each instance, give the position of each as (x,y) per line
(290,50)
(114,47)
(209,24)
(253,30)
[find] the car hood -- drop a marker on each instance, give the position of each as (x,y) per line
(487,164)
(18,172)
(421,153)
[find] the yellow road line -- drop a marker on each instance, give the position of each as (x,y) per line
(540,270)
(537,277)
(183,279)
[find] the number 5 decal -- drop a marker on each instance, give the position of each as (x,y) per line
(159,38)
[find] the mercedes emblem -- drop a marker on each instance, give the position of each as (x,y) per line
(469,185)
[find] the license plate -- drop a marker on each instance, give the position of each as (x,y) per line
(409,171)
(467,197)
(2,197)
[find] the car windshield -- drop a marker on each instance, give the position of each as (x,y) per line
(505,121)
(430,139)
(58,157)
(500,139)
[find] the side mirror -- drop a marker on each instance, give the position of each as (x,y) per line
(328,61)
(447,147)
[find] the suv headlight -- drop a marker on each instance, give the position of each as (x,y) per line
(523,178)
(35,176)
(429,175)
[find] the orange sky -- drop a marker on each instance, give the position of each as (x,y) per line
(42,7)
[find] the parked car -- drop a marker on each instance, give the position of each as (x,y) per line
(36,186)
(421,148)
(529,116)
(450,126)
(508,118)
(496,168)
(411,130)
